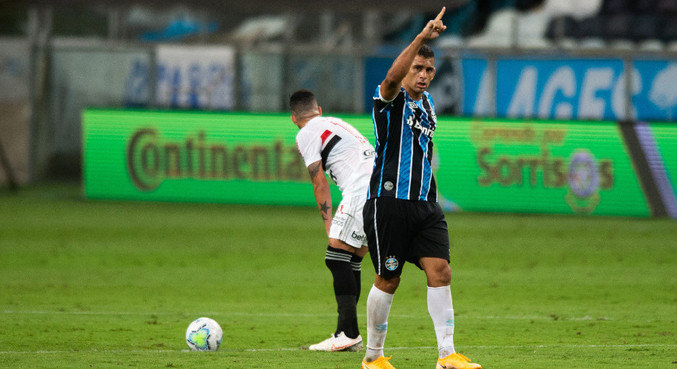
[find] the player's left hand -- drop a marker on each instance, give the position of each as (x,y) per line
(435,27)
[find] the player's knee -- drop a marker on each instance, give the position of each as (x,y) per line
(439,276)
(335,258)
(387,285)
(437,271)
(444,278)
(361,251)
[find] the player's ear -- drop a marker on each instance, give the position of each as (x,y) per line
(293,118)
(319,109)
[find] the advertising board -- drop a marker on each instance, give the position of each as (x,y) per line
(486,165)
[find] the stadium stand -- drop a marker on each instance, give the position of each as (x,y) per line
(646,25)
(668,6)
(537,24)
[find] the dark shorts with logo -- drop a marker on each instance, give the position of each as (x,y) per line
(404,230)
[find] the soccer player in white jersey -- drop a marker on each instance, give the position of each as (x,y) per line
(333,146)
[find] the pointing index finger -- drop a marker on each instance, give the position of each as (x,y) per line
(439,16)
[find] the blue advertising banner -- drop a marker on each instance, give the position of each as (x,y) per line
(655,90)
(560,89)
(570,89)
(476,87)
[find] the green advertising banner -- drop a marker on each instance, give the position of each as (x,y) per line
(576,167)
(195,157)
(537,166)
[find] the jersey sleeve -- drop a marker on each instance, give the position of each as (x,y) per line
(381,104)
(309,145)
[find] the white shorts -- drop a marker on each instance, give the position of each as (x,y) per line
(347,224)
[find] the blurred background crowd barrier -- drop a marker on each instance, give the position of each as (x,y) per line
(612,60)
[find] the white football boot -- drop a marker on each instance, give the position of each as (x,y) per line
(339,342)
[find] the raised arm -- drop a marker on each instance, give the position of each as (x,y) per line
(390,86)
(322,192)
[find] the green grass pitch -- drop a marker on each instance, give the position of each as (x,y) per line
(107,284)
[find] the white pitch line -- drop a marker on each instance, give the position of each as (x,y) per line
(301,315)
(51,352)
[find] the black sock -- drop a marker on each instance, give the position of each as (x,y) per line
(345,290)
(347,318)
(356,265)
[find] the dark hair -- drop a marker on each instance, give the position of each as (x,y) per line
(302,101)
(426,52)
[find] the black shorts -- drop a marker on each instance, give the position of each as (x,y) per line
(404,230)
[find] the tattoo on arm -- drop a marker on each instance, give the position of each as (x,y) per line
(313,169)
(324,209)
(316,170)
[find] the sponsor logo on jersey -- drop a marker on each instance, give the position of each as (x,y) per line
(416,124)
(338,221)
(359,237)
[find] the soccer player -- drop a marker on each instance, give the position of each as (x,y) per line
(403,220)
(333,146)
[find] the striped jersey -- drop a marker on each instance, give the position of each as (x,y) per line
(347,157)
(404,130)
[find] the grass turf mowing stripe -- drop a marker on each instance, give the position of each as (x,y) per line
(300,315)
(43,352)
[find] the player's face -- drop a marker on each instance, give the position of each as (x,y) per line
(420,74)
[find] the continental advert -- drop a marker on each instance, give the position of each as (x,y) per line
(484,165)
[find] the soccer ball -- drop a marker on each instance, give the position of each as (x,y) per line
(204,334)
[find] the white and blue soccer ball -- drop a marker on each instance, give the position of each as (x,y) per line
(204,334)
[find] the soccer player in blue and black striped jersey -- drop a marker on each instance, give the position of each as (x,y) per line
(402,218)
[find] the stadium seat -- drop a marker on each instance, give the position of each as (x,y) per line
(498,32)
(561,27)
(526,5)
(449,41)
(560,19)
(610,7)
(667,6)
(617,26)
(653,45)
(260,28)
(578,9)
(590,33)
(531,28)
(668,31)
(645,27)
(646,7)
(592,27)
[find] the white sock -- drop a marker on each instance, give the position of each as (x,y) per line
(441,311)
(378,308)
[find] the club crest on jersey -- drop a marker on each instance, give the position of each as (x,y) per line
(391,263)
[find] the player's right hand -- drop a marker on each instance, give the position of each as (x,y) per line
(435,27)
